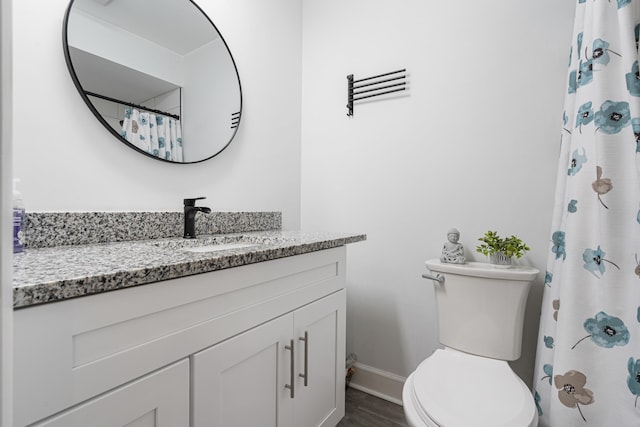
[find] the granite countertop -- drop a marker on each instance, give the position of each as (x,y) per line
(44,275)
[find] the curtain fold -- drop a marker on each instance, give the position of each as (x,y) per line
(155,134)
(588,355)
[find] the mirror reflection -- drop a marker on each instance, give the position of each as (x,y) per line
(156,73)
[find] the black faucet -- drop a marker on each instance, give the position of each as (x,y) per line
(190,210)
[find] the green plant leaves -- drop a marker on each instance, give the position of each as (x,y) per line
(510,246)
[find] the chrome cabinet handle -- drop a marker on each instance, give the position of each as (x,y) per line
(306,358)
(292,370)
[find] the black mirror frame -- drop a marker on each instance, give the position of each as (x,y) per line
(76,82)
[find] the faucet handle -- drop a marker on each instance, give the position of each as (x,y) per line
(192,202)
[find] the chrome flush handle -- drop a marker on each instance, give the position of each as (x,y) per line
(438,277)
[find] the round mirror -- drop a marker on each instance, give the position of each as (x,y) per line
(156,73)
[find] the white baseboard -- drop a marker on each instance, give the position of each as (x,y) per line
(379,383)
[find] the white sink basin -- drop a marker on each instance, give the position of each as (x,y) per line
(217,243)
(219,247)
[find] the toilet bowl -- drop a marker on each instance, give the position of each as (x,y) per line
(469,382)
(455,389)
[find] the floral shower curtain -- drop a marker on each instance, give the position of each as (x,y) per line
(158,135)
(588,358)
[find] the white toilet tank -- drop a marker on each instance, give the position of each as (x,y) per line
(481,307)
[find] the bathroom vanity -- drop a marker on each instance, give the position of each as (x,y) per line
(182,339)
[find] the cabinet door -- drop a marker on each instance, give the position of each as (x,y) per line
(321,401)
(160,399)
(241,382)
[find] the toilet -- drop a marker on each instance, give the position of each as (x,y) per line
(469,383)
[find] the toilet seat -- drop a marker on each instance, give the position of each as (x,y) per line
(455,389)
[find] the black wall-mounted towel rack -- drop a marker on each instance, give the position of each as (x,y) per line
(374,88)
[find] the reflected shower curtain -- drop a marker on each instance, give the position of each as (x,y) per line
(588,356)
(157,135)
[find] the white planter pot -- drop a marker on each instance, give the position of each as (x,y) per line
(499,259)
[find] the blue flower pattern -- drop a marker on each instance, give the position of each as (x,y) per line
(536,399)
(594,261)
(635,126)
(573,82)
(548,370)
(585,115)
(633,379)
(579,43)
(606,331)
(577,160)
(601,51)
(548,342)
(558,245)
(613,116)
(603,106)
(633,80)
(585,72)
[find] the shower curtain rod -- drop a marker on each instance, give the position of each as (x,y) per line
(131,104)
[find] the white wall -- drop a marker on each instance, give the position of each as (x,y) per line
(473,144)
(6,220)
(209,63)
(68,162)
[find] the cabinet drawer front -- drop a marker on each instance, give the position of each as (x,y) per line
(70,351)
(160,399)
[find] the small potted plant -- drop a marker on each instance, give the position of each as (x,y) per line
(501,250)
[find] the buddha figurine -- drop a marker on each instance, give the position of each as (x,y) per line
(452,251)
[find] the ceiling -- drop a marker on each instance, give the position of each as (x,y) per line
(160,25)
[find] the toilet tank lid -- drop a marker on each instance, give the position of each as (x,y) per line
(483,269)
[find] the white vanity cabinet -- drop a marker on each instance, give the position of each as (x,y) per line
(211,346)
(236,382)
(159,399)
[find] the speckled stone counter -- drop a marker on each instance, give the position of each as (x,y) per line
(49,274)
(48,229)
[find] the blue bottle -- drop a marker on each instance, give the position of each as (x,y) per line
(18,219)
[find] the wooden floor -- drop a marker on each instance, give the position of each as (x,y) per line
(364,410)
